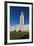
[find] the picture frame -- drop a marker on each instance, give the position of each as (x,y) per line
(11,11)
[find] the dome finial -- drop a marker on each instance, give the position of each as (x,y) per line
(21,12)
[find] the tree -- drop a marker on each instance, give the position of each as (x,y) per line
(14,30)
(19,30)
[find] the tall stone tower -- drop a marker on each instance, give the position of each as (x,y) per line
(21,18)
(21,21)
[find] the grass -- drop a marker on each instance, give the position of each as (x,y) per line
(19,35)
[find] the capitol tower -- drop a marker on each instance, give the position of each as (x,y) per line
(21,26)
(22,18)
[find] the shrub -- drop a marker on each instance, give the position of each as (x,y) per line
(19,30)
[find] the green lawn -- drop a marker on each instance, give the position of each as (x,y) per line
(19,35)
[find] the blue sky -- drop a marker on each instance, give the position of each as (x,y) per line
(15,15)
